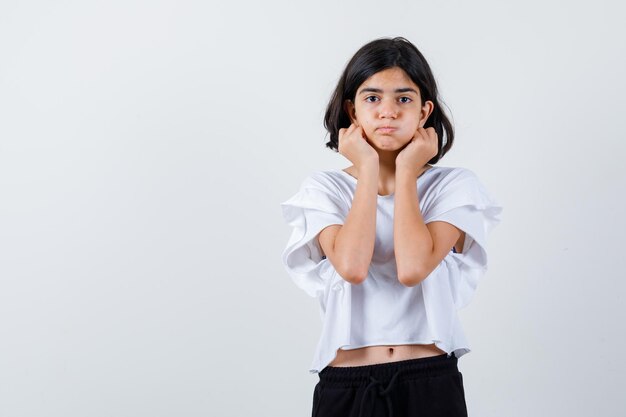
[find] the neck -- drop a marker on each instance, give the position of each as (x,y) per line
(387,170)
(387,165)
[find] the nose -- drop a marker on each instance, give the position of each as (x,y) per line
(388,110)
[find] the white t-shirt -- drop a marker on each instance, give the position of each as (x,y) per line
(381,310)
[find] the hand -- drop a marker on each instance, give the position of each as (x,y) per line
(354,146)
(421,149)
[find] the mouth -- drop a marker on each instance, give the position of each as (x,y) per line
(386,129)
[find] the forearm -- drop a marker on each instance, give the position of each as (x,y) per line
(413,243)
(354,243)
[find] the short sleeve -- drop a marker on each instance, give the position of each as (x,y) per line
(315,206)
(466,203)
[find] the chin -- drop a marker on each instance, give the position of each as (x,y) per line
(388,143)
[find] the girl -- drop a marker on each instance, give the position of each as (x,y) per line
(391,246)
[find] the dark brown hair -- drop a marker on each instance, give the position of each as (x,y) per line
(377,56)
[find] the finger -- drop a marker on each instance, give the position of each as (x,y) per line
(354,130)
(429,134)
(419,134)
(342,132)
(362,133)
(432,132)
(350,130)
(433,137)
(347,132)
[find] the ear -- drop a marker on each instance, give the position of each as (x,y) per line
(348,107)
(426,111)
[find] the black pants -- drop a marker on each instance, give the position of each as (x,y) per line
(431,386)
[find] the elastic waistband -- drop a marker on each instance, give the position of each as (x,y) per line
(352,376)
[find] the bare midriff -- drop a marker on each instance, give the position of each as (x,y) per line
(371,355)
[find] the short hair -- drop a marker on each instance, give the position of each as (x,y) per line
(376,56)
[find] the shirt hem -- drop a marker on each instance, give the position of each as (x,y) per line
(458,351)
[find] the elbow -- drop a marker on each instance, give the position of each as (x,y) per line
(411,278)
(354,275)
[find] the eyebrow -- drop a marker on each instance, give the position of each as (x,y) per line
(378,90)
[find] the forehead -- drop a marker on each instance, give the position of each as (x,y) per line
(389,79)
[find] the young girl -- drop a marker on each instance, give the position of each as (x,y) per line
(391,246)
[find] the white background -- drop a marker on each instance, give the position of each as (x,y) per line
(145,148)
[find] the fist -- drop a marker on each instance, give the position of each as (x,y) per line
(354,146)
(421,149)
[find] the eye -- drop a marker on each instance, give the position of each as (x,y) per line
(405,99)
(372,97)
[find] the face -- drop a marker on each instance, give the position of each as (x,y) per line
(388,108)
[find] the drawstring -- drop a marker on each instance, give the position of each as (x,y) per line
(382,392)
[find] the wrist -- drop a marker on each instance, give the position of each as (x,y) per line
(368,170)
(368,165)
(406,171)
